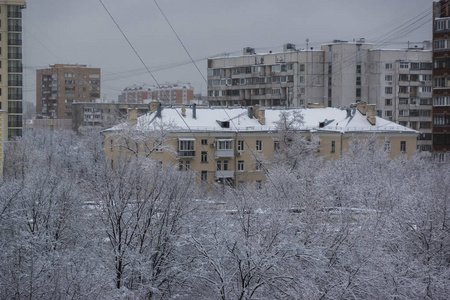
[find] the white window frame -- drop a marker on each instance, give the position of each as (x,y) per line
(259,145)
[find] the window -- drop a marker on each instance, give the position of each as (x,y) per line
(388,90)
(403,101)
(219,165)
(186,147)
(388,66)
(204,158)
(404,65)
(204,177)
(358,93)
(259,184)
(387,146)
(358,80)
(188,165)
(240,165)
(224,145)
(403,112)
(111,145)
(425,89)
(440,44)
(276,145)
(225,165)
(402,146)
(258,166)
(69,75)
(302,68)
(180,165)
(388,113)
(240,145)
(403,89)
(333,146)
(259,145)
(302,79)
(358,69)
(388,78)
(94,75)
(388,102)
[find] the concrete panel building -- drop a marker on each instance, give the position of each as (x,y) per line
(167,93)
(61,85)
(11,71)
(103,114)
(340,73)
(441,77)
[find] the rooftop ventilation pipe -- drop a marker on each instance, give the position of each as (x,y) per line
(250,112)
(194,111)
(159,110)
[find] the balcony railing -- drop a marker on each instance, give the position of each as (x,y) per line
(15,42)
(224,153)
(17,15)
(15,55)
(186,153)
(15,96)
(14,28)
(15,124)
(15,69)
(224,174)
(15,82)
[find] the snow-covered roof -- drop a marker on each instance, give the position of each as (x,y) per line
(209,119)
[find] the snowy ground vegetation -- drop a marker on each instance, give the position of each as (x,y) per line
(362,227)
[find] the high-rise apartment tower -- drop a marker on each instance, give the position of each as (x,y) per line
(58,86)
(11,64)
(441,78)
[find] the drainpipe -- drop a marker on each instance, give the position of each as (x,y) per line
(235,160)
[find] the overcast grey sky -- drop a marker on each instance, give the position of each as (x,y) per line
(81,31)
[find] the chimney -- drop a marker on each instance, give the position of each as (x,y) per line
(262,116)
(349,113)
(158,110)
(250,112)
(194,111)
(256,111)
(371,113)
(183,110)
(361,106)
(153,106)
(132,115)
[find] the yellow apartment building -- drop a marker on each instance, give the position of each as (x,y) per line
(231,144)
(11,70)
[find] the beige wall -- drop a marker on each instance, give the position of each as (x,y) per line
(249,174)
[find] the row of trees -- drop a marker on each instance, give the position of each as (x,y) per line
(363,227)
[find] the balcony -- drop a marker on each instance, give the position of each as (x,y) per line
(15,28)
(15,42)
(224,174)
(15,15)
(15,69)
(15,55)
(186,153)
(224,153)
(15,82)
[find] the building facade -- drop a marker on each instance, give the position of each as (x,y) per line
(340,73)
(168,93)
(11,70)
(103,114)
(441,78)
(61,85)
(135,94)
(232,145)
